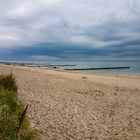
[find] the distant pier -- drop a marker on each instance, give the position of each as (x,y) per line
(105,68)
(62,65)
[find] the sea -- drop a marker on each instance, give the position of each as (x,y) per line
(134,69)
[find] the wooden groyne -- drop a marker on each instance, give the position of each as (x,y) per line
(62,65)
(105,68)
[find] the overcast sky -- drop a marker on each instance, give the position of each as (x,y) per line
(69,29)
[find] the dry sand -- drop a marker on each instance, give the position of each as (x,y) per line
(79,106)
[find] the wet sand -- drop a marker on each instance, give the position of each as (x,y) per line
(79,106)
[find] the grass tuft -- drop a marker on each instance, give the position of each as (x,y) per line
(10,112)
(8,82)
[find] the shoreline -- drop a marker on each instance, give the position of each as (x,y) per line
(70,71)
(52,67)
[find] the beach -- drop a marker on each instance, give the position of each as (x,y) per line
(67,105)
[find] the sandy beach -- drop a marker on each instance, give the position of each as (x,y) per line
(67,105)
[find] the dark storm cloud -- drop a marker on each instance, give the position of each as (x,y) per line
(62,29)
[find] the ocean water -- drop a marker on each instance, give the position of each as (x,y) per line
(134,66)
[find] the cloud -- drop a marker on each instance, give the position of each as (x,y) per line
(97,28)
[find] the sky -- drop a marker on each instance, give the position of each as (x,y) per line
(69,29)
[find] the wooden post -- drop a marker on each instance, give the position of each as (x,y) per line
(22,118)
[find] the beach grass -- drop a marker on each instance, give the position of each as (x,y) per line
(10,112)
